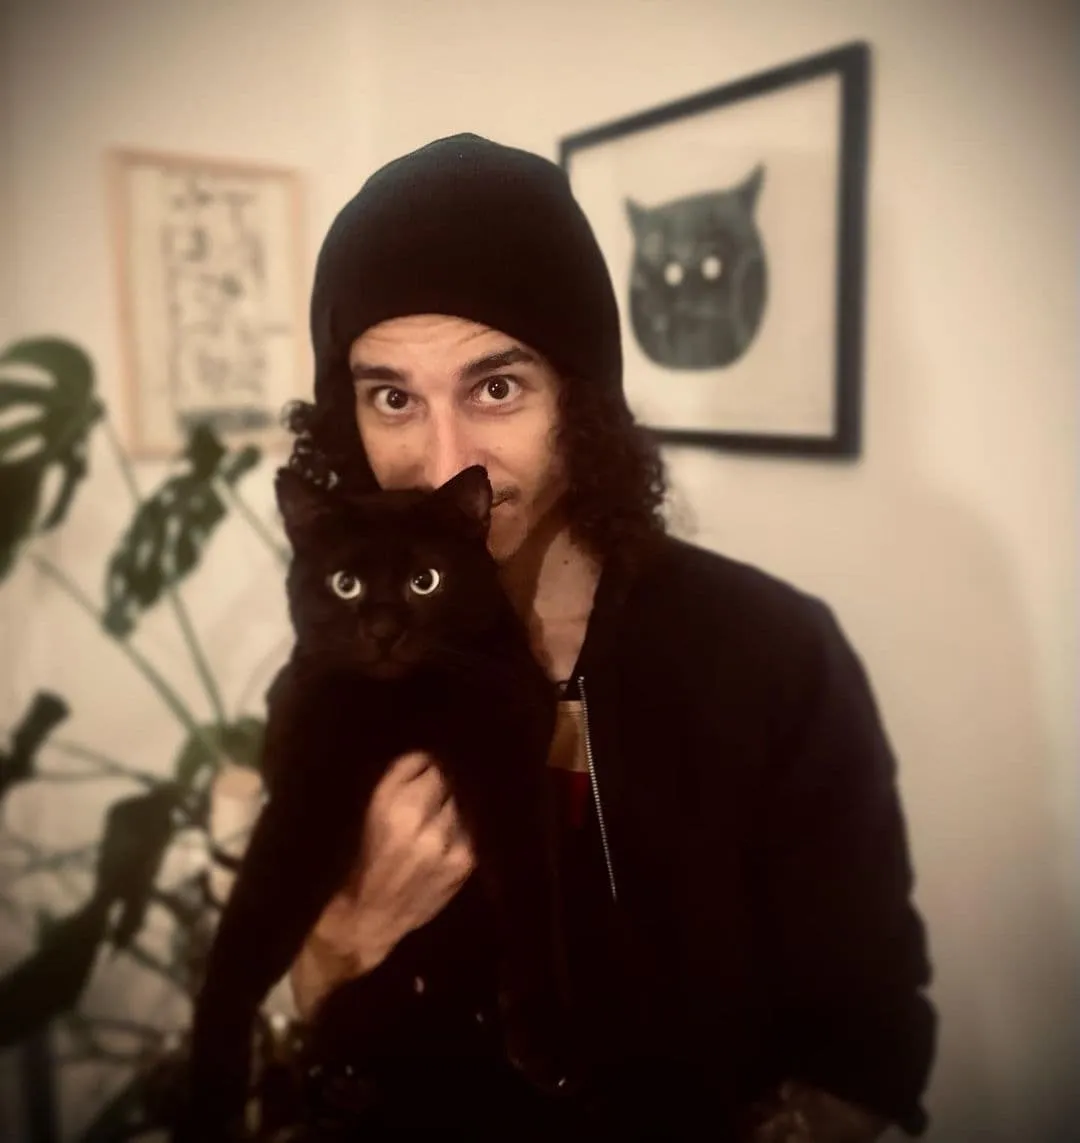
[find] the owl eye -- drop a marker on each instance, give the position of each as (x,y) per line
(425,582)
(345,585)
(673,273)
(711,267)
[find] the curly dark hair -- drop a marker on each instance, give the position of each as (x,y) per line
(617,483)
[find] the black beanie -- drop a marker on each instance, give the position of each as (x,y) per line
(473,229)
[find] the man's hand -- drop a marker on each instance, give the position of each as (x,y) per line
(800,1113)
(414,858)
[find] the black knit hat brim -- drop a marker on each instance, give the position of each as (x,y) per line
(476,230)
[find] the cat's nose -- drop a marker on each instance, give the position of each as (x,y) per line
(385,630)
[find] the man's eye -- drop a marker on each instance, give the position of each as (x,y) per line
(389,400)
(497,389)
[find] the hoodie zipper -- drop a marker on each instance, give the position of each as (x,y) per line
(596,789)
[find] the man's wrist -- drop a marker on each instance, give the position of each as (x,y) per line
(321,967)
(373,944)
(801,1113)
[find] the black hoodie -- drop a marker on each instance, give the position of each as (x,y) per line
(739,898)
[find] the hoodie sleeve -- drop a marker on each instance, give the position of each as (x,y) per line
(850,955)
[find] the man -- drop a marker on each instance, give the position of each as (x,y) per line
(742,944)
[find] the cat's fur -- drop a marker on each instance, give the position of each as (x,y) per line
(698,281)
(462,684)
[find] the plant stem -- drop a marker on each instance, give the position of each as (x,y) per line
(62,777)
(90,1024)
(33,853)
(107,766)
(179,610)
(151,962)
(39,1088)
(198,656)
(281,553)
(53,861)
(138,660)
(95,1053)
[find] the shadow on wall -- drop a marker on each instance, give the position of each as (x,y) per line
(954,652)
(928,596)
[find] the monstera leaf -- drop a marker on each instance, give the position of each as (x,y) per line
(137,833)
(44,425)
(17,764)
(152,1099)
(171,529)
(240,741)
(123,1116)
(52,979)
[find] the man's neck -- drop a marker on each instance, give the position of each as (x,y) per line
(551,582)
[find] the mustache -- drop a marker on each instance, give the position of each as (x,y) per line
(499,495)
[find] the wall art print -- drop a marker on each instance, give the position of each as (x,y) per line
(732,222)
(209,275)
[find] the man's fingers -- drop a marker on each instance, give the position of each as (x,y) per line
(428,792)
(408,767)
(412,777)
(446,824)
(460,861)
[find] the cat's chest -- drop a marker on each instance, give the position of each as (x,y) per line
(449,715)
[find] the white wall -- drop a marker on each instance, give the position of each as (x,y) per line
(7,212)
(949,552)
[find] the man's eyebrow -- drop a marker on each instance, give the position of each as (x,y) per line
(362,372)
(489,363)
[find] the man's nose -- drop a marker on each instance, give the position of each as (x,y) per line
(450,448)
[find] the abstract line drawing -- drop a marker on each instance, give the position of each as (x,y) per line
(210,294)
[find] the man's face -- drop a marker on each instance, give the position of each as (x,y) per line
(436,394)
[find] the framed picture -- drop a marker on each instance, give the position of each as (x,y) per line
(209,273)
(733,225)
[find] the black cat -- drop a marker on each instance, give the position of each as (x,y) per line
(698,282)
(404,641)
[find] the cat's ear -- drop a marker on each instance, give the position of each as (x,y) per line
(302,503)
(470,494)
(638,216)
(749,190)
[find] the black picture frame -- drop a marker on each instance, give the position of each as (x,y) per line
(851,64)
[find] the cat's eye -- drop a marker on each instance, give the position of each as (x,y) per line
(425,582)
(711,267)
(345,585)
(673,274)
